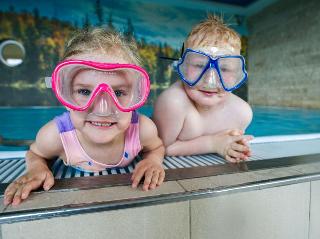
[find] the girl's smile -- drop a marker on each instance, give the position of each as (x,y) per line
(102,124)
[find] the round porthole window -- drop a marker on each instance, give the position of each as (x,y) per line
(12,53)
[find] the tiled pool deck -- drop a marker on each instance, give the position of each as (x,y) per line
(274,163)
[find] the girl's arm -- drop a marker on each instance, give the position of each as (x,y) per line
(47,146)
(153,152)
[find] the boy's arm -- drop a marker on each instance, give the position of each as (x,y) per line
(46,147)
(200,145)
(218,142)
(169,114)
(230,144)
(153,152)
(170,111)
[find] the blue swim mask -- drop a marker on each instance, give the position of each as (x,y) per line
(219,70)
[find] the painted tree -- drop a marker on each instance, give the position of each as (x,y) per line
(129,32)
(110,22)
(86,22)
(99,12)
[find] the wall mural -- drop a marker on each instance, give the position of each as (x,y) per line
(44,27)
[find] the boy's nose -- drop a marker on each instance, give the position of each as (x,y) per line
(211,79)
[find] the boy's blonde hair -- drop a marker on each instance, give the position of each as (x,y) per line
(104,40)
(212,32)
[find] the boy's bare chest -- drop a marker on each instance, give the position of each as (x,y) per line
(196,124)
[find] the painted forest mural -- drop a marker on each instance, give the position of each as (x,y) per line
(44,39)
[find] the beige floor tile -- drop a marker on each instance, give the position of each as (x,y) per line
(216,181)
(307,168)
(58,199)
(274,173)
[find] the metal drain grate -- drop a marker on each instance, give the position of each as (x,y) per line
(12,168)
(12,165)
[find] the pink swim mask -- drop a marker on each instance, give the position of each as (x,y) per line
(78,84)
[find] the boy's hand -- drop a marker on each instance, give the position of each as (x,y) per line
(20,189)
(233,145)
(152,171)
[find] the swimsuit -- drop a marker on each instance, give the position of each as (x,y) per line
(78,158)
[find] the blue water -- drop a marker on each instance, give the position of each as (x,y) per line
(23,123)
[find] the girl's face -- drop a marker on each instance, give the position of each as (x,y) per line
(102,122)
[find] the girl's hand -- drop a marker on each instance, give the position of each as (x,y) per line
(19,190)
(152,171)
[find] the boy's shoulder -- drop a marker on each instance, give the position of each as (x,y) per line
(172,104)
(241,108)
(173,96)
(236,101)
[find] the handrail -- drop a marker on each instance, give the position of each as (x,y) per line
(15,142)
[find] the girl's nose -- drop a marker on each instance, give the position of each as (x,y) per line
(103,105)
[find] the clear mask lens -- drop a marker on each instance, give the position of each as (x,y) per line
(79,84)
(199,67)
(231,71)
(193,65)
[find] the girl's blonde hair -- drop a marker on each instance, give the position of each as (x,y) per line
(107,41)
(211,32)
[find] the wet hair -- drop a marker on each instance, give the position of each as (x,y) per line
(104,40)
(212,32)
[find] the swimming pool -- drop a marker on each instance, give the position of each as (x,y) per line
(24,122)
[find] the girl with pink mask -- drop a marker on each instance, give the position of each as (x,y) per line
(101,84)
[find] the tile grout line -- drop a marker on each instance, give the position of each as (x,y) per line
(309,226)
(190,220)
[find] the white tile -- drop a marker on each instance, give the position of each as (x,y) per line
(273,213)
(166,221)
(315,210)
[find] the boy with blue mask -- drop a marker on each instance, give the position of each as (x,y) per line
(198,114)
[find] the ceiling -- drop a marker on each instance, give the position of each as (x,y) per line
(241,3)
(239,7)
(243,8)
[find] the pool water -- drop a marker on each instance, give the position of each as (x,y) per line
(23,123)
(284,121)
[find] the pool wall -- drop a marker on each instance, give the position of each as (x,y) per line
(283,62)
(276,198)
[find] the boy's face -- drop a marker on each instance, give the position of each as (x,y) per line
(208,91)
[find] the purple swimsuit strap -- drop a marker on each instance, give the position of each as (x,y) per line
(64,122)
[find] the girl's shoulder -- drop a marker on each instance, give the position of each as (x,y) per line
(147,128)
(48,142)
